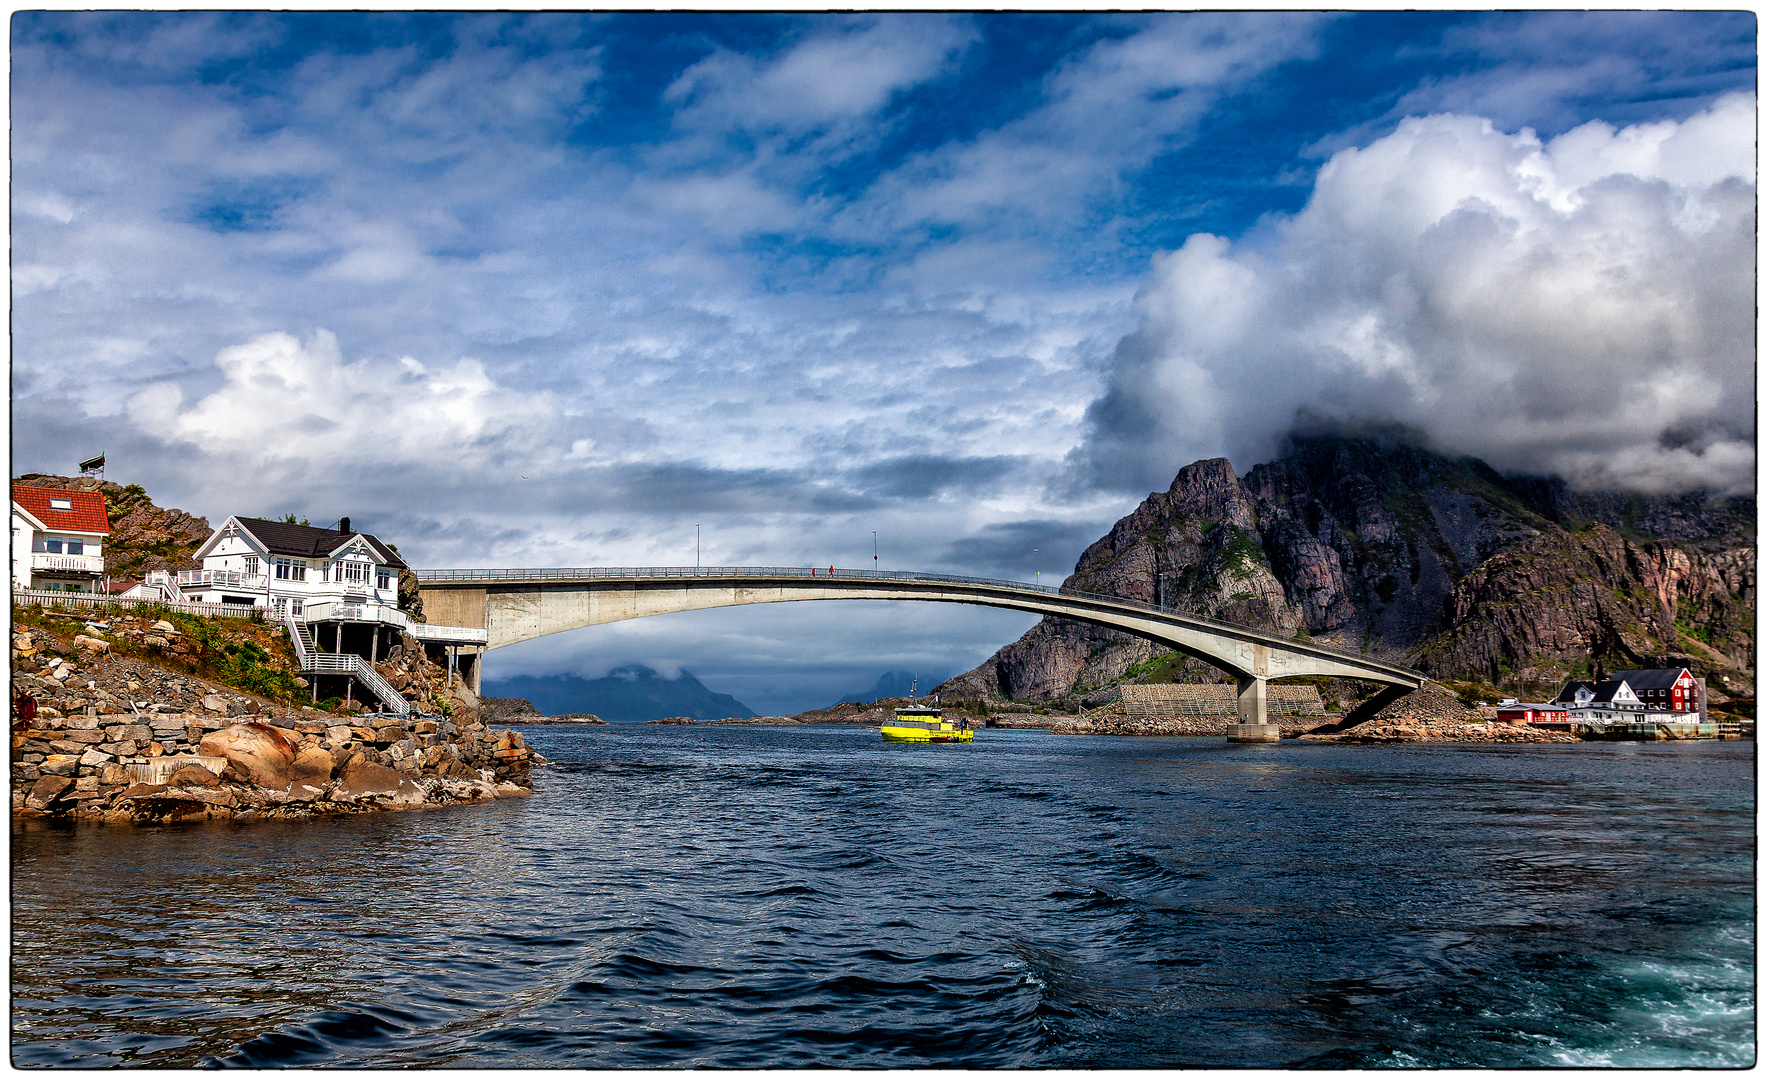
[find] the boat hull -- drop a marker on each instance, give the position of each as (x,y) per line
(892,733)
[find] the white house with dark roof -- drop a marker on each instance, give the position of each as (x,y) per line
(315,574)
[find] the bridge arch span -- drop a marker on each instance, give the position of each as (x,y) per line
(519,605)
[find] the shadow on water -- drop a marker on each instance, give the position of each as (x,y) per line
(766,897)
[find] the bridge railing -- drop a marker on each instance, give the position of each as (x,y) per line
(809,572)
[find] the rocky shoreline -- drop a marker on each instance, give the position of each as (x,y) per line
(117,739)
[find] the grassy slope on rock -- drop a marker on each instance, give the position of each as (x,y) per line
(245,654)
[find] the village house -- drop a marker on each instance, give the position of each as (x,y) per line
(58,539)
(298,570)
(1671,698)
(1600,702)
(337,589)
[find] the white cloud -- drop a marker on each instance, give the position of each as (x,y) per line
(1583,306)
(1109,109)
(832,78)
(284,400)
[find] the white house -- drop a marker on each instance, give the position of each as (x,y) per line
(58,538)
(1610,700)
(313,573)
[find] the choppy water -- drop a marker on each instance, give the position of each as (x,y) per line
(756,897)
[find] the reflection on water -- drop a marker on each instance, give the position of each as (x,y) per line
(752,897)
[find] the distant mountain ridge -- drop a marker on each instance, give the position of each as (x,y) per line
(1376,543)
(630,694)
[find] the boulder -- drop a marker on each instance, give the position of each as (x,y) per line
(59,765)
(260,752)
(312,765)
(214,703)
(47,790)
(193,776)
(365,779)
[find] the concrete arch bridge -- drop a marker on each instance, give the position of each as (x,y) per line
(517,605)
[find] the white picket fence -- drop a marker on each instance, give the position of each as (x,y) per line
(73,601)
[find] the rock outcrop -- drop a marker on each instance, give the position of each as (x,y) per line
(1378,544)
(1561,598)
(143,537)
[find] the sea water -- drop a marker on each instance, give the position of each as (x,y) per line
(799,896)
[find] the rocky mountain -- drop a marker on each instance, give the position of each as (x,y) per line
(143,536)
(1377,543)
(632,693)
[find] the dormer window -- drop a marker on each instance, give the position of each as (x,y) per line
(61,504)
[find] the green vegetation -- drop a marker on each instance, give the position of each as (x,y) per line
(1472,692)
(246,654)
(289,519)
(1160,669)
(1242,554)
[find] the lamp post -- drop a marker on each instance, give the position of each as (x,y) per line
(696,545)
(1035,562)
(874,551)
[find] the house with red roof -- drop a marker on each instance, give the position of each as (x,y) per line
(58,538)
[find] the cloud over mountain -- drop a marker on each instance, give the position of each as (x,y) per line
(1581,305)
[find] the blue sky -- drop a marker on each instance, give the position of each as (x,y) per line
(547,290)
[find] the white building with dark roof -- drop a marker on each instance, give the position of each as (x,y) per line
(312,573)
(338,589)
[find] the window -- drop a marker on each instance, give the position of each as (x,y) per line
(61,504)
(290,570)
(356,573)
(76,547)
(53,547)
(383,579)
(251,566)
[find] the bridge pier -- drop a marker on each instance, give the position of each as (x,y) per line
(1254,714)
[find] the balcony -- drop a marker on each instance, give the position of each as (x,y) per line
(67,564)
(218,578)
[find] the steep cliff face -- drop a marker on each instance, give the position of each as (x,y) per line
(1378,544)
(1563,601)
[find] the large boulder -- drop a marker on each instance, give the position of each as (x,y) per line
(46,791)
(312,765)
(368,780)
(262,753)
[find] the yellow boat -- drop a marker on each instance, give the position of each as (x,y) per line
(925,725)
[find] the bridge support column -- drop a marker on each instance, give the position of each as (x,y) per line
(1254,713)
